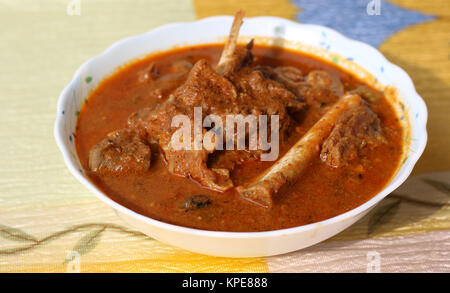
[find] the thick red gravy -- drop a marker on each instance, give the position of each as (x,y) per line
(321,193)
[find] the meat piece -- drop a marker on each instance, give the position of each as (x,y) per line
(203,88)
(357,130)
(192,164)
(291,77)
(215,95)
(318,89)
(292,164)
(157,85)
(266,94)
(245,92)
(156,123)
(288,74)
(367,93)
(122,151)
(186,163)
(323,80)
(228,159)
(180,67)
(261,96)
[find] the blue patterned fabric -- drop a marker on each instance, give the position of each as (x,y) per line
(351,18)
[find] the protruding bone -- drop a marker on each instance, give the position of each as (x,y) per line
(230,46)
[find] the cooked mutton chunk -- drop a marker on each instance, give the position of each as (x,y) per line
(229,159)
(267,95)
(245,92)
(291,77)
(122,151)
(357,130)
(323,80)
(318,88)
(232,88)
(203,88)
(206,88)
(261,96)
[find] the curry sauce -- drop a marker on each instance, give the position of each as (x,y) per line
(320,193)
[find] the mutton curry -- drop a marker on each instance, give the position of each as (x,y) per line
(339,141)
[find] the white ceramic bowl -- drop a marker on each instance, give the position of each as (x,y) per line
(361,59)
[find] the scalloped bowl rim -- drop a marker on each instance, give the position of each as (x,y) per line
(392,185)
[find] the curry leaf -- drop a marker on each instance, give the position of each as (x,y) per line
(383,215)
(439,185)
(16,234)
